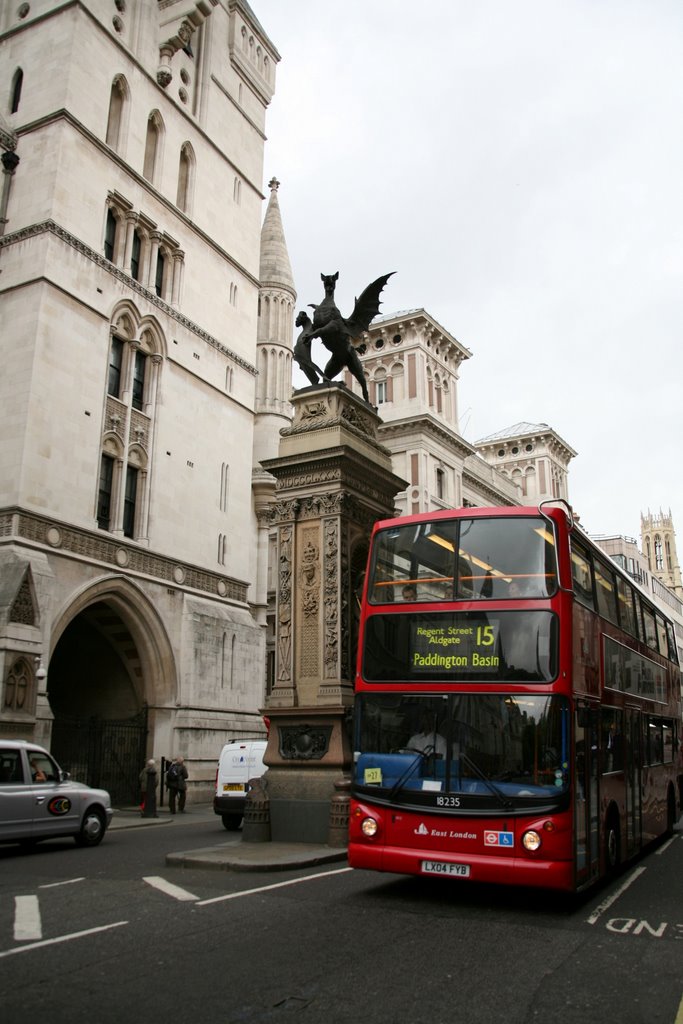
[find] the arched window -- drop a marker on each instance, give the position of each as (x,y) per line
(159,273)
(115,364)
(659,556)
(15,95)
(130,501)
(135,256)
(19,687)
(110,235)
(117,102)
(139,374)
(440,484)
(225,487)
(185,177)
(104,494)
(150,167)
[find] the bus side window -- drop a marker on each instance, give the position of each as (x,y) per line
(604,589)
(582,576)
(627,614)
(650,629)
(611,740)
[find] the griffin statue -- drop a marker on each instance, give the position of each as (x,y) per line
(337,333)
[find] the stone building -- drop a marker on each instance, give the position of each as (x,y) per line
(133,400)
(533,457)
(412,365)
(658,540)
(626,553)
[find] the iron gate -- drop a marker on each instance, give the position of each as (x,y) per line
(105,753)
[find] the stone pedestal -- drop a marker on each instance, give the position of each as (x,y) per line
(334,480)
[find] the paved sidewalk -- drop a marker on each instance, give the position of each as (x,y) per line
(233,855)
(130,817)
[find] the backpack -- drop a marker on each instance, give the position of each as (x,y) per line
(173,773)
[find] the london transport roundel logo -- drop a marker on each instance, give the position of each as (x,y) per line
(59,805)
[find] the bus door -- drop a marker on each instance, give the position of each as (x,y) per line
(586,796)
(632,779)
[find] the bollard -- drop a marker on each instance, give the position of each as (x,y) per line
(256,826)
(338,834)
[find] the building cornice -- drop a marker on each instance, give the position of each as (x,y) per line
(416,318)
(19,525)
(50,227)
(425,425)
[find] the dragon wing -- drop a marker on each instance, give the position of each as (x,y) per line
(366,307)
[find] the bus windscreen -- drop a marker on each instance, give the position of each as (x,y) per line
(464,560)
(464,750)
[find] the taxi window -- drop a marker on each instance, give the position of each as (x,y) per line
(11,771)
(42,767)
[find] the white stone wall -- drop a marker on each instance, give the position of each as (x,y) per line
(182,598)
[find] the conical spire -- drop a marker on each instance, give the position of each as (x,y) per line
(275,270)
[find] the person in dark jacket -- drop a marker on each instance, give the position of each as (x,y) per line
(149,783)
(176,783)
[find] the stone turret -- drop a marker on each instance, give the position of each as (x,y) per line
(277,297)
(658,541)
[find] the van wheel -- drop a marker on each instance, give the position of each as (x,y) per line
(231,821)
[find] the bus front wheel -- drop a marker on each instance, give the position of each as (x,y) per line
(612,843)
(670,812)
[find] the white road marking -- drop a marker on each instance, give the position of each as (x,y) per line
(171,890)
(276,885)
(60,938)
(27,923)
(68,881)
(615,895)
(666,846)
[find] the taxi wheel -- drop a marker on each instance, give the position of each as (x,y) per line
(92,829)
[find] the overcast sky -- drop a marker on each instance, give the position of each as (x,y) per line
(519,164)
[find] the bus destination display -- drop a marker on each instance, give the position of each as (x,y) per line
(466,645)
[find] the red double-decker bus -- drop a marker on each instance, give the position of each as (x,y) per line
(518,703)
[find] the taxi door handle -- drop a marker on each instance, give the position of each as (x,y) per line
(40,799)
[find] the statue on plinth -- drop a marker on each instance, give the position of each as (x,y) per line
(336,332)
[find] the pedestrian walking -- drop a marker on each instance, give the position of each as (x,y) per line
(176,783)
(149,783)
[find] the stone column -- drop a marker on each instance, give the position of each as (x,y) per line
(334,480)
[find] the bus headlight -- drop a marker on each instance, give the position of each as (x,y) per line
(368,827)
(531,841)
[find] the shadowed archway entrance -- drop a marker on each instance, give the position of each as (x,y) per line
(110,661)
(99,732)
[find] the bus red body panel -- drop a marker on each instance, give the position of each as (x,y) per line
(517,713)
(483,869)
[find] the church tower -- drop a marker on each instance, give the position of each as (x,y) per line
(658,542)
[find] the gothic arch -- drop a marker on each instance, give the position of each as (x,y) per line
(150,659)
(117,118)
(154,142)
(187,164)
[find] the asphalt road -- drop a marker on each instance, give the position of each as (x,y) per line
(113,934)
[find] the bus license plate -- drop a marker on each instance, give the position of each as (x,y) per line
(441,867)
(233,787)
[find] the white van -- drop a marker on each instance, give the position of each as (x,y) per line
(240,761)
